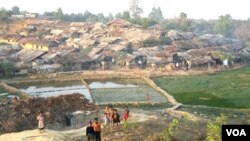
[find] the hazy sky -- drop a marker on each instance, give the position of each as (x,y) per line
(206,9)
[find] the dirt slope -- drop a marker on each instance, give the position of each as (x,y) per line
(22,115)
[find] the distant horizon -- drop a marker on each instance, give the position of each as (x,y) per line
(195,9)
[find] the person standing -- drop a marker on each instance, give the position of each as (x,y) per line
(148,98)
(97,129)
(105,120)
(116,118)
(106,109)
(110,115)
(90,131)
(40,119)
(125,113)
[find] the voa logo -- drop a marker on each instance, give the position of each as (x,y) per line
(236,132)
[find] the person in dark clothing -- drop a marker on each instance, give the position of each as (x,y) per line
(116,118)
(68,119)
(90,131)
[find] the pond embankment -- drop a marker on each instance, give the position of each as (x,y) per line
(85,76)
(14,90)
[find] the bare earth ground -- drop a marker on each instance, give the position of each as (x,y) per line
(142,125)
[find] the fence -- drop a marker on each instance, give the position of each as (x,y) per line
(75,121)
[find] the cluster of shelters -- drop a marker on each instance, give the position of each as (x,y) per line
(49,46)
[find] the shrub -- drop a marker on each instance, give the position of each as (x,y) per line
(214,129)
(218,55)
(150,42)
(155,42)
(169,133)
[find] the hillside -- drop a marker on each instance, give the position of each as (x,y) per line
(119,44)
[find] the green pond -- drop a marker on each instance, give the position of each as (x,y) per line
(124,91)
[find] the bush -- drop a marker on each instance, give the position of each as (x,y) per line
(218,55)
(150,43)
(169,133)
(214,129)
(154,42)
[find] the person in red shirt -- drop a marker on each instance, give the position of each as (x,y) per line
(97,129)
(125,113)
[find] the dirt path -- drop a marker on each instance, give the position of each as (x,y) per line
(69,135)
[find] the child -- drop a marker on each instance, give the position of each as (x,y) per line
(105,120)
(97,129)
(106,109)
(116,118)
(126,113)
(110,115)
(40,119)
(148,98)
(90,131)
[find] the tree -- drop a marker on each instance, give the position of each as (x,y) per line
(156,14)
(110,16)
(59,13)
(92,18)
(126,15)
(48,13)
(224,25)
(183,15)
(15,10)
(101,18)
(118,15)
(183,22)
(7,69)
(243,32)
(134,9)
(4,14)
(201,27)
(146,22)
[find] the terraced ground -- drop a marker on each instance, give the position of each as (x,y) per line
(229,89)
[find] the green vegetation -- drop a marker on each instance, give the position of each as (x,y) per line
(87,50)
(153,42)
(2,43)
(225,24)
(126,95)
(214,129)
(169,133)
(228,89)
(7,69)
(4,14)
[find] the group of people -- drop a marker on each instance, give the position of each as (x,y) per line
(110,118)
(93,130)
